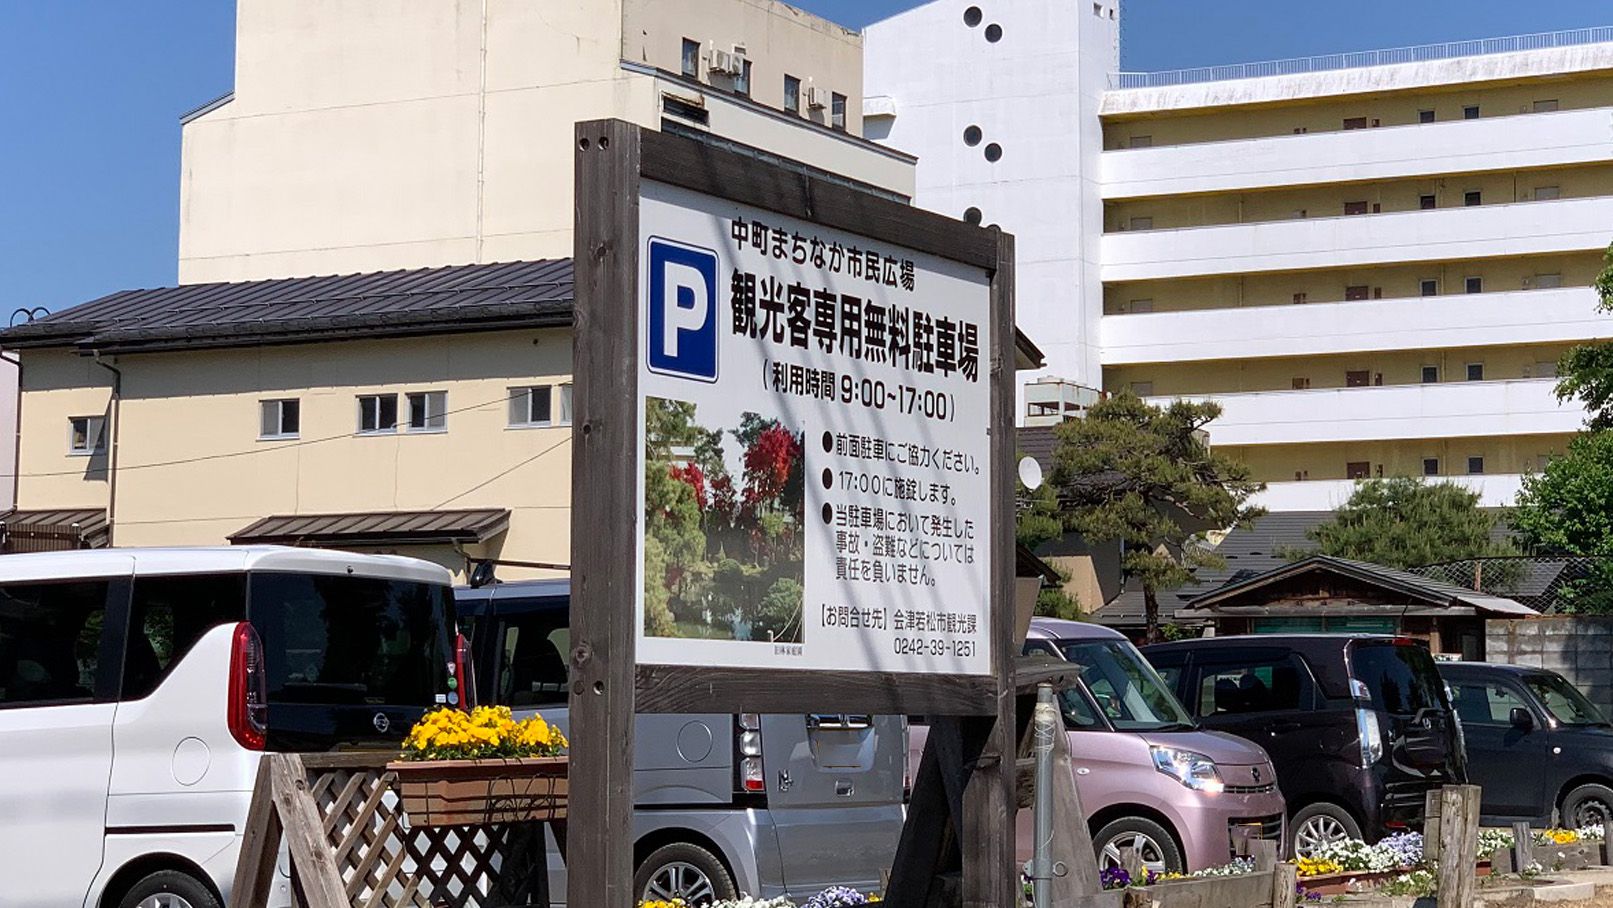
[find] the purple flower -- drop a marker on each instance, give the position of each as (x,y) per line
(836,897)
(1111,878)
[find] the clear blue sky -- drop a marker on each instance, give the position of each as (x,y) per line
(91,92)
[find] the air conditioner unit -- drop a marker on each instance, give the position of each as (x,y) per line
(817,98)
(724,62)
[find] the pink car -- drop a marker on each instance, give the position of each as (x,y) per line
(1148,777)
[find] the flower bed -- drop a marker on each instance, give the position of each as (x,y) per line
(833,897)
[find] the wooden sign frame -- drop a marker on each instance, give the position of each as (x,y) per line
(613,159)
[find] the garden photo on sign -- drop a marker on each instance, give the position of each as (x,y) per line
(723,532)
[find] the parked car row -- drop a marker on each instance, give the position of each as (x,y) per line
(138,689)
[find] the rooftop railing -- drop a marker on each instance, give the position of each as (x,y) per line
(1358,59)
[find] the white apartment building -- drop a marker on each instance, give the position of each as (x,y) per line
(371,135)
(1372,261)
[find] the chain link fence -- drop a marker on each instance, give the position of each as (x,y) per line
(1561,585)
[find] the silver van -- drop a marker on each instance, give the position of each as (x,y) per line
(765,805)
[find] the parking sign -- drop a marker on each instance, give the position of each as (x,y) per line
(682,317)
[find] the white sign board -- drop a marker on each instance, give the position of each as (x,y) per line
(815,408)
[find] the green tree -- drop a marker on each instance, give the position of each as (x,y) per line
(1038,518)
(1405,523)
(1585,372)
(1567,509)
(1147,476)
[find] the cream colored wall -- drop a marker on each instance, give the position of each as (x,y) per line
(1496,188)
(1511,454)
(1328,114)
(370,135)
(1398,368)
(779,40)
(191,469)
(1396,281)
(57,385)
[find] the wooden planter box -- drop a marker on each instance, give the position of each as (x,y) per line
(1329,884)
(482,792)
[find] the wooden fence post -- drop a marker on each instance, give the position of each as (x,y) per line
(1284,886)
(1431,806)
(1458,842)
(1523,847)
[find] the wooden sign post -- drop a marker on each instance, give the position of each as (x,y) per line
(860,353)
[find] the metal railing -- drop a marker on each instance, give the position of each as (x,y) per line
(1355,60)
(1550,584)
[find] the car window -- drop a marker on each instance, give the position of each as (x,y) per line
(1128,691)
(50,641)
(1077,712)
(1252,686)
(533,668)
(1480,703)
(168,614)
(1171,674)
(1397,678)
(339,640)
(1564,701)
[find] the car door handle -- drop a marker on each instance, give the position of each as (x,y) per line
(1283,728)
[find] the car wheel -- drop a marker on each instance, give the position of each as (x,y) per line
(169,889)
(1588,805)
(1153,842)
(683,871)
(1318,825)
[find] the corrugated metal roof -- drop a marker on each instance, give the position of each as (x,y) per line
(387,303)
(78,527)
(377,528)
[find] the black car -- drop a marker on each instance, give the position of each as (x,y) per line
(1534,743)
(1358,727)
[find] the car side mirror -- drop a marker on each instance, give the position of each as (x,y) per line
(1522,719)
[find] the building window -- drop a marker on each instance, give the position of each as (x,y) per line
(1358,469)
(1428,287)
(1356,292)
(691,58)
(1472,197)
(1355,207)
(1546,106)
(1300,298)
(1425,116)
(742,81)
(1301,383)
(1470,112)
(1547,193)
(1475,372)
(1141,223)
(428,411)
(837,110)
(1427,202)
(1355,122)
(377,413)
(1475,466)
(1430,374)
(1141,306)
(1548,281)
(86,434)
(1142,141)
(1430,466)
(1357,378)
(1474,285)
(1299,213)
(534,406)
(792,94)
(279,418)
(1142,388)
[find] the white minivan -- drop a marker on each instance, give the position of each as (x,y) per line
(138,688)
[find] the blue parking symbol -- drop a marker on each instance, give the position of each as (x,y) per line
(682,335)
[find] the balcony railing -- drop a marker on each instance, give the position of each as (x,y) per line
(1358,59)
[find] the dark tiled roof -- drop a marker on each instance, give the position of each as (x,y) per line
(377,528)
(388,303)
(1433,592)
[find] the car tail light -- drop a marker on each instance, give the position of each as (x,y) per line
(1366,725)
(462,683)
(248,712)
(748,745)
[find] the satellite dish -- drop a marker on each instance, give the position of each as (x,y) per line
(1030,473)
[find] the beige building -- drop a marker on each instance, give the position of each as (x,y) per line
(425,412)
(369,135)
